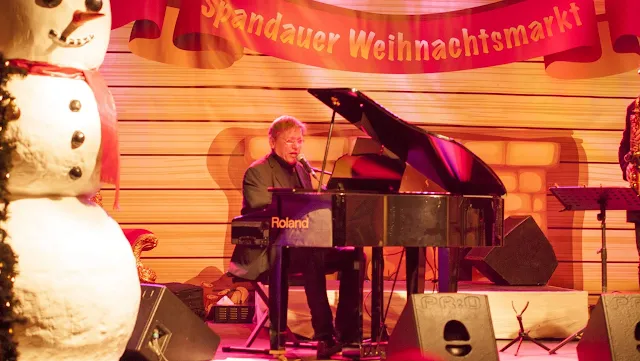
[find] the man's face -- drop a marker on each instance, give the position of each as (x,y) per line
(288,145)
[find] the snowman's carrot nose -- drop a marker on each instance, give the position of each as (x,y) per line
(80,17)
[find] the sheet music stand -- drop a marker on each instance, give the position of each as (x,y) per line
(602,199)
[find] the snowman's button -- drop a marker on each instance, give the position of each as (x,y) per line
(75,173)
(77,139)
(75,105)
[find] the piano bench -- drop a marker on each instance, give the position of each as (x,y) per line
(262,321)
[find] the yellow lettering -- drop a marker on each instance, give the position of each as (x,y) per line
(307,40)
(404,48)
(483,37)
(548,21)
(288,34)
(208,12)
(240,20)
(222,16)
(574,10)
(260,19)
(497,39)
(468,41)
(332,40)
(391,46)
(277,222)
(272,27)
(562,19)
(455,43)
(440,51)
(424,46)
(537,32)
(378,49)
(517,34)
(318,40)
(360,45)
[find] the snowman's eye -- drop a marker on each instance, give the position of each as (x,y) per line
(49,3)
(94,5)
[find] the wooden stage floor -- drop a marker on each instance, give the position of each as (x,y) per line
(553,314)
(235,335)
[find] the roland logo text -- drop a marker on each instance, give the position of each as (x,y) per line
(277,222)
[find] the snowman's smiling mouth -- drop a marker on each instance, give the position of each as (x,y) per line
(69,42)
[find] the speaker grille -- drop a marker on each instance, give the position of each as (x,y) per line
(167,327)
(449,326)
(612,333)
(526,257)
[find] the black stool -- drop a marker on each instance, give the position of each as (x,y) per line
(263,279)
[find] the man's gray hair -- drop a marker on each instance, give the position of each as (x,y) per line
(284,123)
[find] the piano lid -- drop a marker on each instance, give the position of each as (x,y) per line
(441,159)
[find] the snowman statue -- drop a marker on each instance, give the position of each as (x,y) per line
(77,286)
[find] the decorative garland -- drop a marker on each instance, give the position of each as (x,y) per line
(8,317)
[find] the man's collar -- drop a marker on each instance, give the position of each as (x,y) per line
(278,160)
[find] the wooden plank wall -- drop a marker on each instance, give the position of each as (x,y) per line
(184,135)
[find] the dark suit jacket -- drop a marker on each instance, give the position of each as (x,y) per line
(625,142)
(246,261)
(625,146)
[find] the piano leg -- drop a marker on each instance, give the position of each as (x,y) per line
(278,298)
(377,275)
(358,350)
(448,265)
(359,265)
(415,267)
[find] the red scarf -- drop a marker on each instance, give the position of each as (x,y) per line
(110,161)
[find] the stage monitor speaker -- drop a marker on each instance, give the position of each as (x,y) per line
(167,330)
(447,326)
(613,330)
(526,257)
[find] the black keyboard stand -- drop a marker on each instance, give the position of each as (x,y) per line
(601,199)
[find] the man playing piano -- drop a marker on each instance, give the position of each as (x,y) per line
(630,141)
(280,169)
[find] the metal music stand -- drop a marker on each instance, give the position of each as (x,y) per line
(602,199)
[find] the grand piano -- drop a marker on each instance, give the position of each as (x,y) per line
(400,186)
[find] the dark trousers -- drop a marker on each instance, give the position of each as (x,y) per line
(634,217)
(314,264)
(638,247)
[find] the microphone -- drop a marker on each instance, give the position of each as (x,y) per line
(307,166)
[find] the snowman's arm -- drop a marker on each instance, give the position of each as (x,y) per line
(142,240)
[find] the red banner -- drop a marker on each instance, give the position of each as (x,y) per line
(214,33)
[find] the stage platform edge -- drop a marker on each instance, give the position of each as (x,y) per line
(553,312)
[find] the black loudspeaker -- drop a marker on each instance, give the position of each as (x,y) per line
(167,330)
(448,326)
(613,330)
(526,257)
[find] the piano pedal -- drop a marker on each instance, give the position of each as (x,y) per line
(284,358)
(366,351)
(280,355)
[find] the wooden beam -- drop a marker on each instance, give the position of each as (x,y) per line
(126,69)
(213,104)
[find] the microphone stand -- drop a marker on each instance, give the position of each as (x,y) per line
(326,150)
